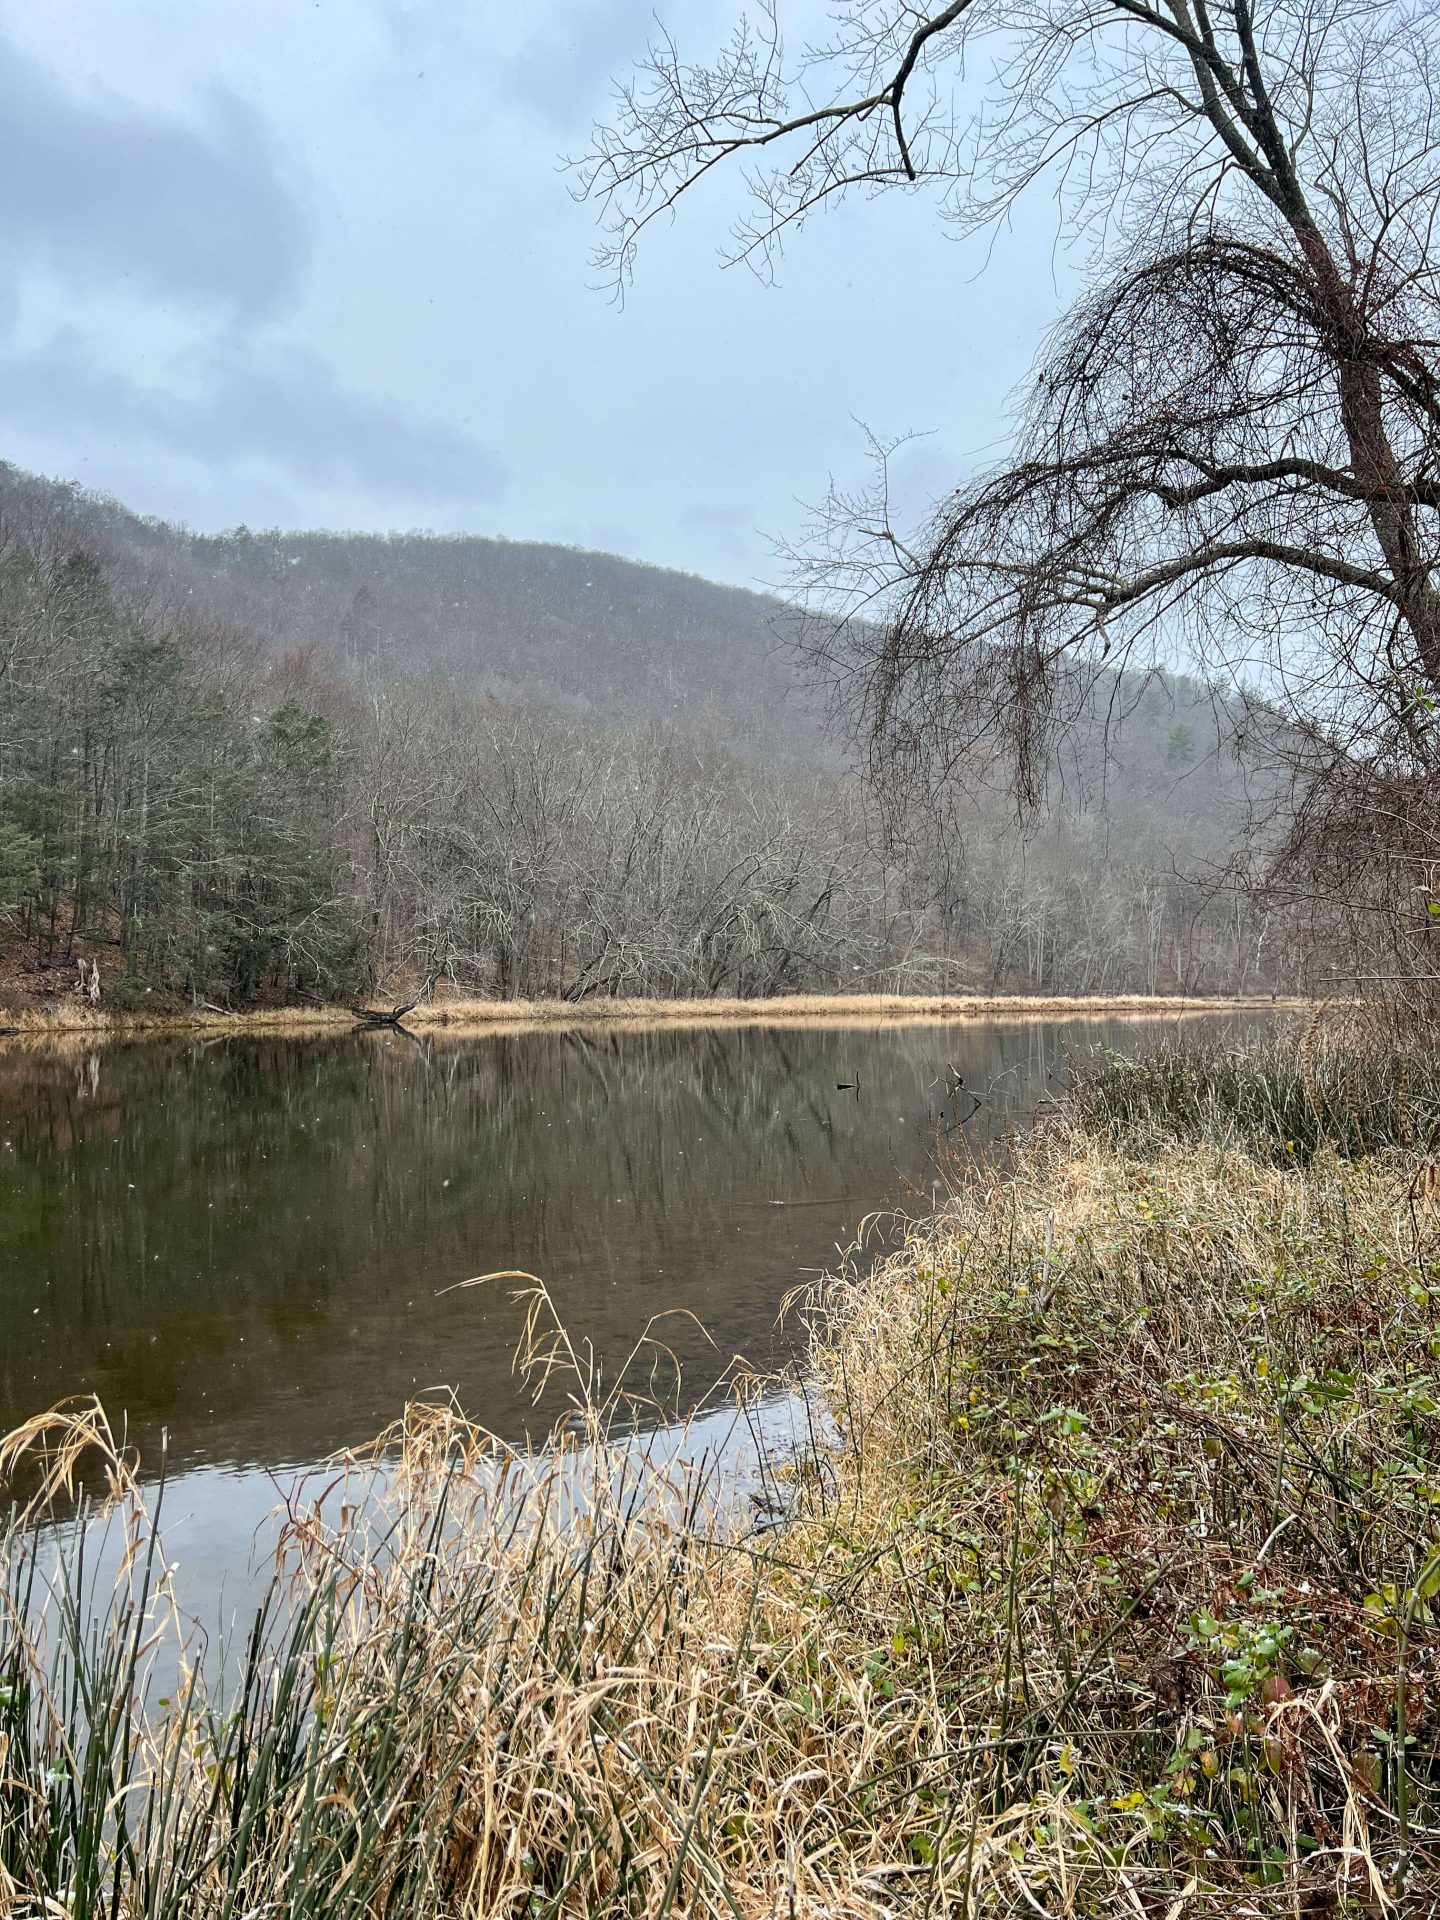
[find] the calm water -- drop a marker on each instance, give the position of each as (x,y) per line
(244,1243)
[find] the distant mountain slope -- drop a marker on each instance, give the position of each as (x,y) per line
(592,634)
(583,631)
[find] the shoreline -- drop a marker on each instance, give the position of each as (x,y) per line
(472,1018)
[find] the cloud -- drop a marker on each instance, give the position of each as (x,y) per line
(250,403)
(105,198)
(723,519)
(556,59)
(570,73)
(110,194)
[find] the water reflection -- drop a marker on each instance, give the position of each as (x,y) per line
(245,1243)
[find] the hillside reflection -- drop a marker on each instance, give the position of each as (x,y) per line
(244,1242)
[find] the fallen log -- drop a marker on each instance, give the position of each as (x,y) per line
(384,1016)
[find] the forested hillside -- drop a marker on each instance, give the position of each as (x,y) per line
(259,767)
(583,631)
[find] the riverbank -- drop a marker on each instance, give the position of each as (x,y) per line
(463,1017)
(1111,1591)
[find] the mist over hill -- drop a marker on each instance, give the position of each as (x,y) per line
(260,765)
(586,634)
(583,632)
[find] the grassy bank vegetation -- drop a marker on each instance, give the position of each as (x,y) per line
(1113,1590)
(459,1015)
(1345,1090)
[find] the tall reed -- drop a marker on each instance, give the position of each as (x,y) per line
(1339,1082)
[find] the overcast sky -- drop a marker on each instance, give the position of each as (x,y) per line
(315,263)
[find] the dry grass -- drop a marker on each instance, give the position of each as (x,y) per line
(1159,1443)
(463,1017)
(96,1023)
(1111,1595)
(818,1009)
(1345,1081)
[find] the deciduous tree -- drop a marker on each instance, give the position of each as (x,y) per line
(1230,449)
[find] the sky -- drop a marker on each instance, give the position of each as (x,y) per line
(311,263)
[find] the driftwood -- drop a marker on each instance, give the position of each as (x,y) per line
(392,1016)
(384,1016)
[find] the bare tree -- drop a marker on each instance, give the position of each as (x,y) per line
(1230,450)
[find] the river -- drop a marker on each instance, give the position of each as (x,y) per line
(249,1248)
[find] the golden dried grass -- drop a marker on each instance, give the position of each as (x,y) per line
(466,1017)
